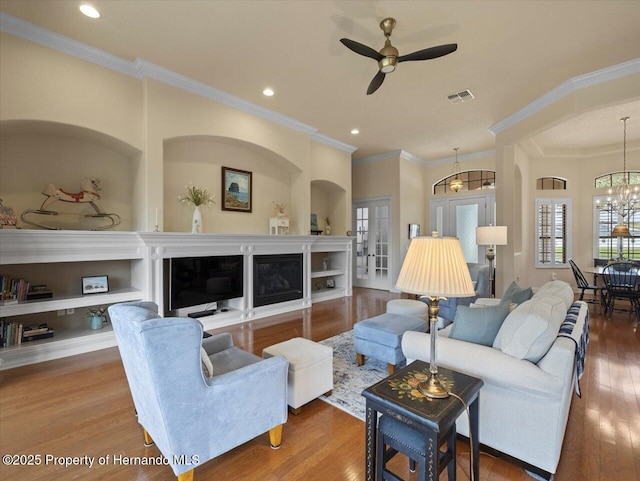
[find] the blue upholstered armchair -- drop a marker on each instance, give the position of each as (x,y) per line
(191,416)
(480,275)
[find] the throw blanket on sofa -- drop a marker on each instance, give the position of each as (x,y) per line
(567,329)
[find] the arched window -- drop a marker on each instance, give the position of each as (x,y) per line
(471,180)
(551,183)
(615,179)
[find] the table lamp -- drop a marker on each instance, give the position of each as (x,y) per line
(435,267)
(492,235)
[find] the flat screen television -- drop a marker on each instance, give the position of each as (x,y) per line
(195,281)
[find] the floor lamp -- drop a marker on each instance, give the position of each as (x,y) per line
(492,235)
(435,267)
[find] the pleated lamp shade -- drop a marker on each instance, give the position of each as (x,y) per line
(435,266)
(620,230)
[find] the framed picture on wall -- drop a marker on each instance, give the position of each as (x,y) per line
(414,230)
(236,190)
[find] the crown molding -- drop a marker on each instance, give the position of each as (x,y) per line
(323,139)
(150,70)
(576,83)
(412,158)
(63,44)
(537,152)
(140,69)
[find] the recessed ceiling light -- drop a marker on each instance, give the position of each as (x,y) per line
(89,10)
(355,132)
(268,92)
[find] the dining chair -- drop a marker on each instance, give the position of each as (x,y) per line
(621,282)
(583,285)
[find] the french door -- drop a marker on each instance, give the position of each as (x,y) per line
(372,226)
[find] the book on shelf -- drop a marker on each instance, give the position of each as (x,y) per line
(32,330)
(16,290)
(14,333)
(34,337)
(35,295)
(11,332)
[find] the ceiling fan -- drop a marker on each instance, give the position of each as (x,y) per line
(388,57)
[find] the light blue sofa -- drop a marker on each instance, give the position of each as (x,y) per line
(190,416)
(480,275)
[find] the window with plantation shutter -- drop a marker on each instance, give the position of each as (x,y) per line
(553,218)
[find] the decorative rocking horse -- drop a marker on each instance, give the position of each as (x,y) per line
(90,186)
(7,217)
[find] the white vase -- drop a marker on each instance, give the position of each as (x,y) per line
(196,221)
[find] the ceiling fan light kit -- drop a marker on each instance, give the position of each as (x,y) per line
(388,57)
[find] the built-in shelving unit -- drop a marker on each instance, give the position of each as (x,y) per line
(60,257)
(331,268)
(135,265)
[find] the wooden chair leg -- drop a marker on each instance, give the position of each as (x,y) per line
(391,368)
(187,476)
(148,440)
(359,359)
(275,437)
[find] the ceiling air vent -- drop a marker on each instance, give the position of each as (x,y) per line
(460,96)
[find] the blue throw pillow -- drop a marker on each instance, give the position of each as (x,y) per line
(516,294)
(479,325)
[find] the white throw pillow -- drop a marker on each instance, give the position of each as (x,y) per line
(207,366)
(530,330)
(557,288)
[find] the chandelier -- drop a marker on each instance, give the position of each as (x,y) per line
(625,198)
(456,184)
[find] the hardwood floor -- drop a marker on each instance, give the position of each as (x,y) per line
(81,406)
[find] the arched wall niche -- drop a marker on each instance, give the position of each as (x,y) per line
(35,153)
(329,201)
(198,160)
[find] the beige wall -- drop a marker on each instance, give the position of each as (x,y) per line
(151,127)
(579,172)
(378,178)
(38,83)
(412,203)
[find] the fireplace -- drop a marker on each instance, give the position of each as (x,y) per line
(277,278)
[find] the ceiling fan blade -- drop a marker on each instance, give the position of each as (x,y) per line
(429,53)
(361,49)
(376,82)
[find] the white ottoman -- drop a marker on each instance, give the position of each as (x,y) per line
(408,307)
(310,369)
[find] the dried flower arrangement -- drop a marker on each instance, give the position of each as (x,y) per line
(196,196)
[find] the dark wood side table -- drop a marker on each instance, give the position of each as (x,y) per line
(397,396)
